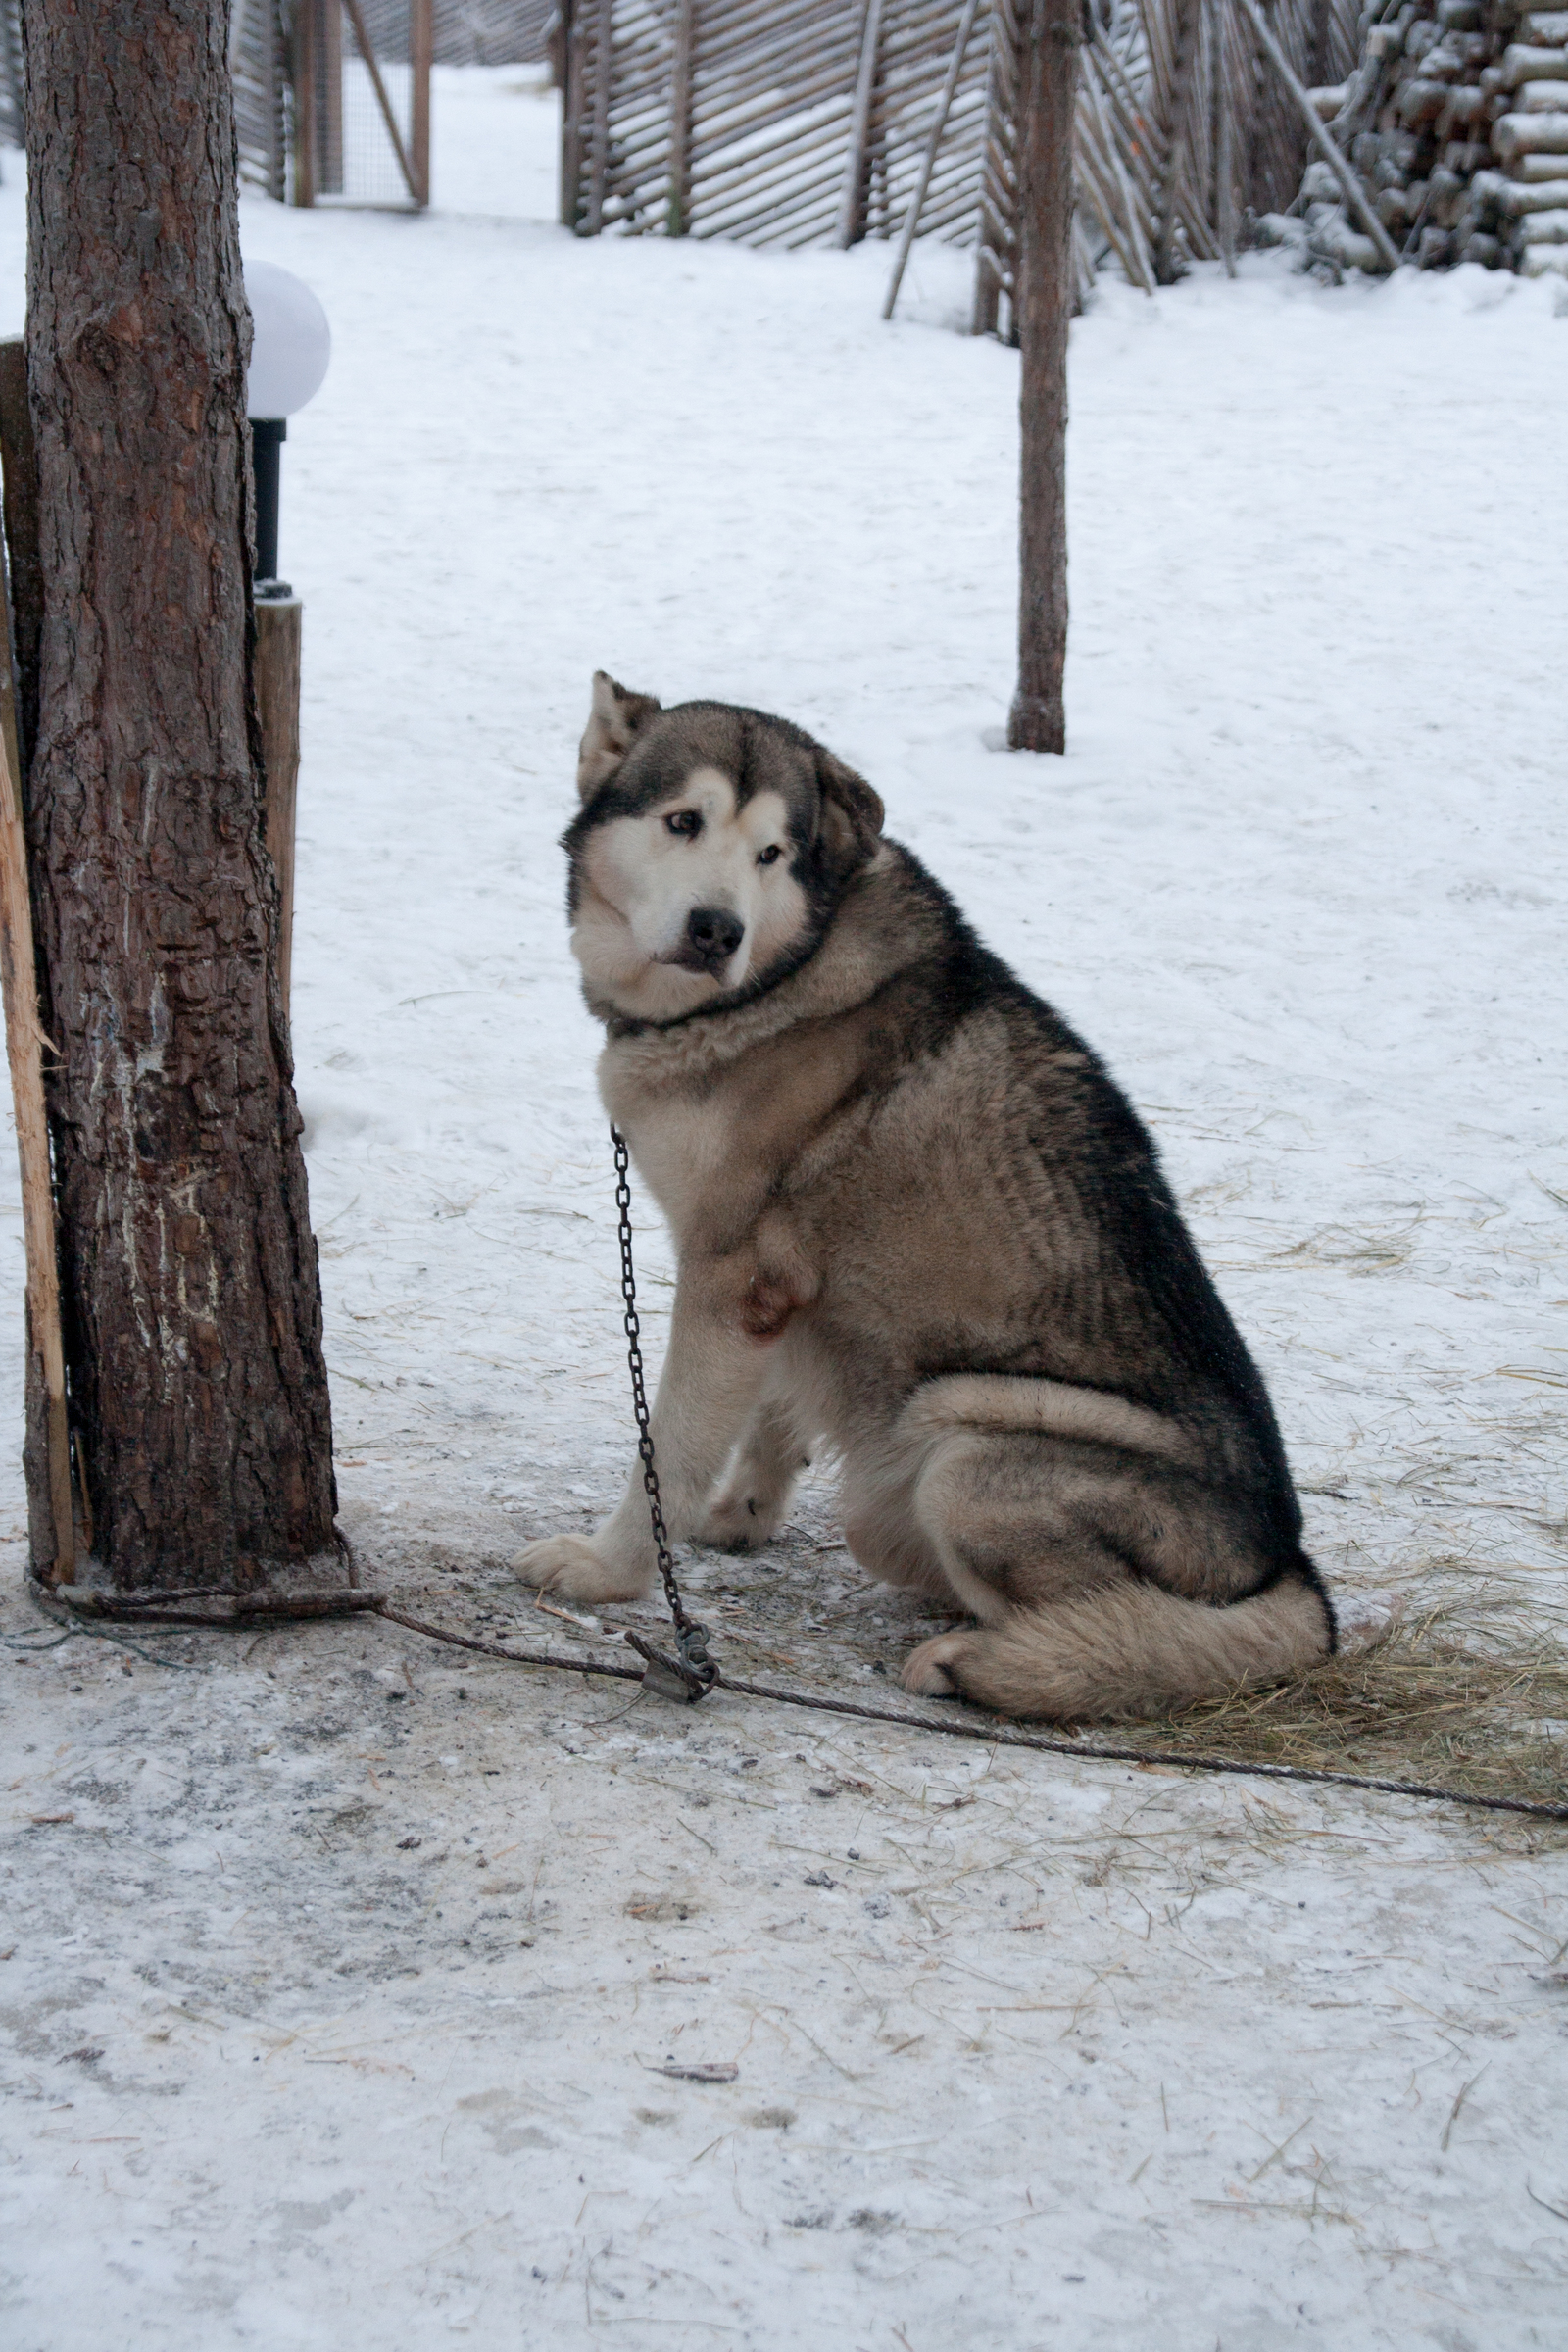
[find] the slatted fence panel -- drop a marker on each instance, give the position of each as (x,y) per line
(777,124)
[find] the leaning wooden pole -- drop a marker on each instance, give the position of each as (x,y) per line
(56,1558)
(928,162)
(1047,95)
(1355,196)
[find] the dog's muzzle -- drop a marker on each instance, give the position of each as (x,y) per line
(713,935)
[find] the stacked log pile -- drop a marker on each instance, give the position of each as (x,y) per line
(1456,120)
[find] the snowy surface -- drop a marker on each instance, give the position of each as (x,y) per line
(314,2037)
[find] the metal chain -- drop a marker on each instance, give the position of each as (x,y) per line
(695,1668)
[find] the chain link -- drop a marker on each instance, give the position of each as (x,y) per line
(698,1670)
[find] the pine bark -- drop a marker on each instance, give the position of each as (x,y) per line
(193,1302)
(1048,90)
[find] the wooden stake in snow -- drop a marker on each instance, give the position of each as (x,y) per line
(1355,196)
(25,1043)
(1048,89)
(857,165)
(277,708)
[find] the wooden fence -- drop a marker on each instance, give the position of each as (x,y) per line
(814,124)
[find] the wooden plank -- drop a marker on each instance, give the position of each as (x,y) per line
(682,70)
(25,1043)
(421,60)
(327,34)
(278,708)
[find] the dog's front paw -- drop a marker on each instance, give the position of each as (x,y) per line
(575,1568)
(741,1519)
(932,1670)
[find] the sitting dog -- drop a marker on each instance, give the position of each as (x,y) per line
(916,1224)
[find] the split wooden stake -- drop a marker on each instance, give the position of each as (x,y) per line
(25,1043)
(277,706)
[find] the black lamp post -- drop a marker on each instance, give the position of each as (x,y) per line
(290,348)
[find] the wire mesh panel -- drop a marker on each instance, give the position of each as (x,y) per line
(361,101)
(469,32)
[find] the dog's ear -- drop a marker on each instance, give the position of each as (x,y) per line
(615,719)
(852,816)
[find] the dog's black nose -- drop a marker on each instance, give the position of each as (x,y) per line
(715,933)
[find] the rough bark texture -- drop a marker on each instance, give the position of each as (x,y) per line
(193,1320)
(1048,89)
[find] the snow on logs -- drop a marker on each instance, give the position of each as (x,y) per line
(1457,124)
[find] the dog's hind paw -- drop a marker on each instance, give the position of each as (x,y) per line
(930,1671)
(739,1521)
(574,1569)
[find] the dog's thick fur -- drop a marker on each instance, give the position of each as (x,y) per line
(917,1224)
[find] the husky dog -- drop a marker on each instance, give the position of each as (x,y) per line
(918,1225)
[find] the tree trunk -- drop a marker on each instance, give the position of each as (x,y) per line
(192,1305)
(1048,90)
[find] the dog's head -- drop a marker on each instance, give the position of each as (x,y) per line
(710,851)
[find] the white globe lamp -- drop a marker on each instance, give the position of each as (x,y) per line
(290,347)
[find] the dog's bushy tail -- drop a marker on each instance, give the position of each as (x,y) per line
(1136,1649)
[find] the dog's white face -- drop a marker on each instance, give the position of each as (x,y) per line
(688,898)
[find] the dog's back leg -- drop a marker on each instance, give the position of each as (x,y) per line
(1070,1627)
(1132,1649)
(755,1492)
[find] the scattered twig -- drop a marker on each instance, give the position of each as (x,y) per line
(1453,2112)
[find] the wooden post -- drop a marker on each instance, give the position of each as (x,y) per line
(275,51)
(421,60)
(572,37)
(987,282)
(599,154)
(680,118)
(1047,88)
(857,163)
(305,85)
(278,708)
(329,38)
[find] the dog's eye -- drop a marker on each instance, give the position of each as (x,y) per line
(772,855)
(684,821)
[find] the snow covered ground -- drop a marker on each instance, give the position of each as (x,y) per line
(313,2038)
